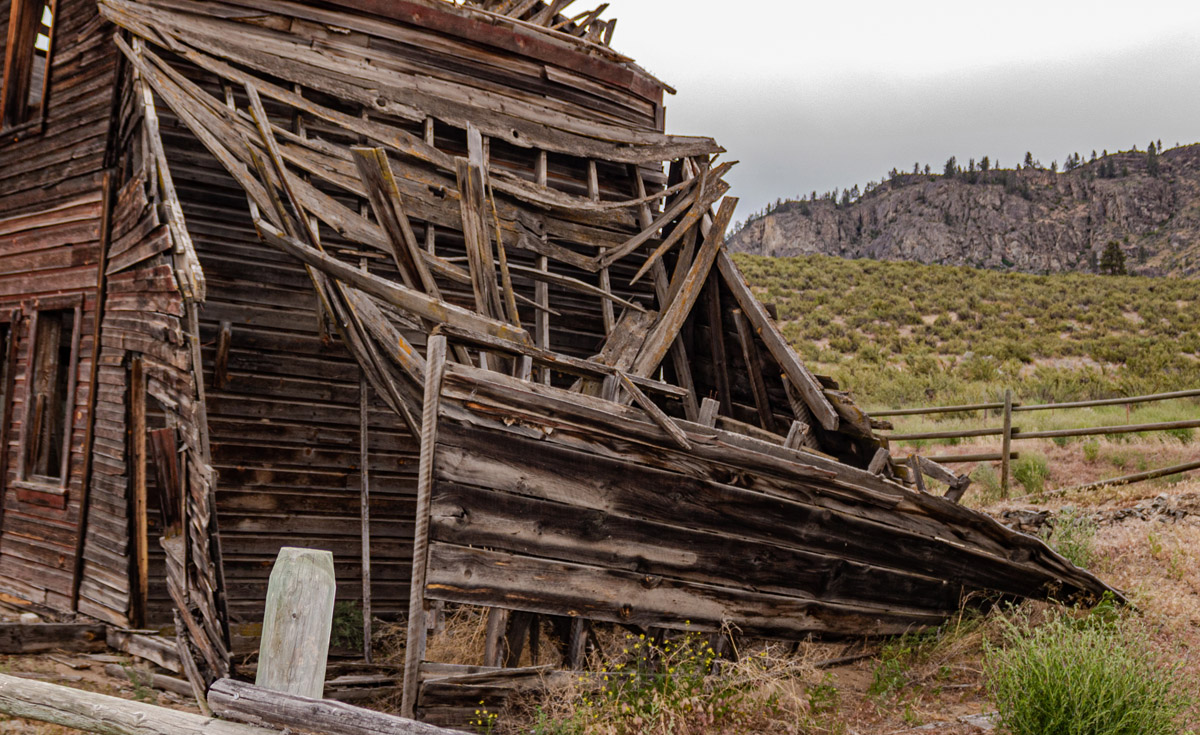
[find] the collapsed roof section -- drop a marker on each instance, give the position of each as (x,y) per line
(565,222)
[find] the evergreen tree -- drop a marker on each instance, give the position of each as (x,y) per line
(984,164)
(1152,161)
(1112,261)
(951,167)
(928,169)
(1029,159)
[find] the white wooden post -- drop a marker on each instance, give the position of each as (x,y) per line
(297,623)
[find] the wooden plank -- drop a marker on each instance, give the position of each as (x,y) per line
(673,315)
(880,461)
(365,509)
(769,333)
(138,457)
(91,712)
(417,606)
(297,623)
(656,414)
(755,370)
(915,473)
(388,206)
(704,553)
(474,575)
(798,435)
(152,648)
(419,304)
(558,361)
(257,706)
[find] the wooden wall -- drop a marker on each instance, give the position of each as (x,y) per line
(546,501)
(50,213)
(284,418)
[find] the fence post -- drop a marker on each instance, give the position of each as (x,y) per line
(297,623)
(1006,448)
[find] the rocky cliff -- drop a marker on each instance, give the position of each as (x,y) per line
(1031,220)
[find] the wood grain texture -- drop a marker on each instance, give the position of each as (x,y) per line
(297,623)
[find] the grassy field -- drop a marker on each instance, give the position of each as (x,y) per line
(903,335)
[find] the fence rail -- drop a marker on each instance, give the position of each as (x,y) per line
(1009,433)
(1018,408)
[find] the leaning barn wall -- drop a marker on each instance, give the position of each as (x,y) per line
(50,222)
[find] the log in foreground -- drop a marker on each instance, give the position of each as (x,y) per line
(251,704)
(100,713)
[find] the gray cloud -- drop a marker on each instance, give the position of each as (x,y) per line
(794,137)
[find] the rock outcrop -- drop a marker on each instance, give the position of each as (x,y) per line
(1030,220)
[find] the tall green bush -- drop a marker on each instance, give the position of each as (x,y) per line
(1093,677)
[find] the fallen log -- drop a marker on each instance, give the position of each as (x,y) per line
(251,704)
(100,713)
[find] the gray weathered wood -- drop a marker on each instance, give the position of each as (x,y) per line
(99,713)
(251,704)
(415,650)
(797,435)
(797,373)
(880,461)
(297,623)
(914,470)
(1006,444)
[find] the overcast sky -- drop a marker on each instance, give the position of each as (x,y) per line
(817,95)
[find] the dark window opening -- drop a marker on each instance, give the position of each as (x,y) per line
(50,399)
(27,61)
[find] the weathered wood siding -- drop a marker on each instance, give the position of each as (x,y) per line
(50,215)
(284,421)
(547,501)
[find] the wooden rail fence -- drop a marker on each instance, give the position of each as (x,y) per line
(1009,433)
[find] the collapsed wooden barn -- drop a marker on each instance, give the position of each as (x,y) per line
(418,280)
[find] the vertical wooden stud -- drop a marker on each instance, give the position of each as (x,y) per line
(141,533)
(365,509)
(918,477)
(541,333)
(435,366)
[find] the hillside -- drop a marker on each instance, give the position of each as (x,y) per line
(905,334)
(1031,220)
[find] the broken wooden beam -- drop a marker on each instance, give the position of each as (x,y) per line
(246,703)
(99,713)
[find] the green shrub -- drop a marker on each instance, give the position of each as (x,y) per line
(1068,677)
(1071,534)
(987,483)
(347,629)
(1091,450)
(1031,471)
